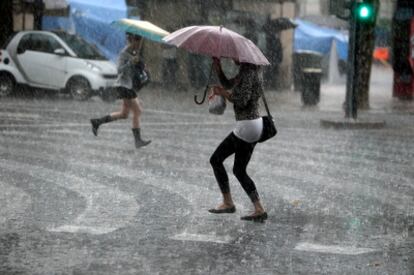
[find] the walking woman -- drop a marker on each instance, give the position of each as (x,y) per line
(246,89)
(129,68)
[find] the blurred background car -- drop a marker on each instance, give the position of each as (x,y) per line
(56,60)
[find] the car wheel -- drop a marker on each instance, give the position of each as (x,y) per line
(79,88)
(6,85)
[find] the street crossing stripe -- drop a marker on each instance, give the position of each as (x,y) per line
(202,238)
(333,249)
(9,115)
(107,208)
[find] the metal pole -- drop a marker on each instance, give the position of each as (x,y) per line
(356,76)
(350,109)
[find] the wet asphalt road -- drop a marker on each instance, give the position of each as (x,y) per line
(339,201)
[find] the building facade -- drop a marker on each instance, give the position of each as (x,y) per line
(246,17)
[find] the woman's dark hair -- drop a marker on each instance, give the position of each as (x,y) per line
(133,36)
(248,66)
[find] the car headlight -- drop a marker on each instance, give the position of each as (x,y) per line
(93,67)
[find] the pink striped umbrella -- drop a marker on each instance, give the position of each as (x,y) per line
(217,41)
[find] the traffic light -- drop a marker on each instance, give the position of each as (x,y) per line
(365,12)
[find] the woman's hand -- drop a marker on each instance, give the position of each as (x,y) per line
(218,90)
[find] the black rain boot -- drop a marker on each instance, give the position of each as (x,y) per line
(96,122)
(138,141)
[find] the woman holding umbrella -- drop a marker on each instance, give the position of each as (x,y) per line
(129,67)
(244,92)
(131,74)
(246,89)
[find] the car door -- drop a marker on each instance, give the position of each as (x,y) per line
(39,62)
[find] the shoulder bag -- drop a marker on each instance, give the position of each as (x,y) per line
(140,76)
(269,128)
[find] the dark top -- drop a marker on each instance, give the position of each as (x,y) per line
(246,91)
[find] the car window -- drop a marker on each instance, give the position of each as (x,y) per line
(81,48)
(53,44)
(24,44)
(38,42)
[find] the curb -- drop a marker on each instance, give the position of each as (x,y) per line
(352,124)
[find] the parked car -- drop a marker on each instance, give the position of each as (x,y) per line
(56,60)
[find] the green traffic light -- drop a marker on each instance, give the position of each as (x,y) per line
(365,11)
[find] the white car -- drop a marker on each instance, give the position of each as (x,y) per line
(57,61)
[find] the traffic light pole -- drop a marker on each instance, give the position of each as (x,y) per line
(362,21)
(351,102)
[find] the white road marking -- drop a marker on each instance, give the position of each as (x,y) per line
(333,249)
(201,238)
(95,230)
(107,209)
(13,203)
(19,115)
(175,113)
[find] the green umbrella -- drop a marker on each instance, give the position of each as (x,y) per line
(142,28)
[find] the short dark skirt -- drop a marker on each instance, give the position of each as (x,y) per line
(125,93)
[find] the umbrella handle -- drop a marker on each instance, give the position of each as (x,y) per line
(204,97)
(205,90)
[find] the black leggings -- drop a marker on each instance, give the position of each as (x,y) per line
(243,152)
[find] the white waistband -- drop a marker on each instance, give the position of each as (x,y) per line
(249,130)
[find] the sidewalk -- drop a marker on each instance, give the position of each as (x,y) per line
(333,95)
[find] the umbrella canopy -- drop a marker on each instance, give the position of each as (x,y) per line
(139,27)
(217,41)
